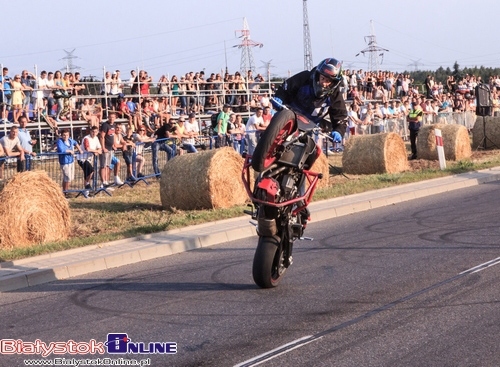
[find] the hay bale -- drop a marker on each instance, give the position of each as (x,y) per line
(456,142)
(377,153)
(322,166)
(492,130)
(208,179)
(33,211)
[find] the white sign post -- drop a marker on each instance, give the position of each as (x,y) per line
(440,149)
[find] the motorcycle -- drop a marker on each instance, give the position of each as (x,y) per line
(280,195)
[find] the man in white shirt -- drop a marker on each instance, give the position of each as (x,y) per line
(41,89)
(91,146)
(47,93)
(254,124)
(191,128)
(12,147)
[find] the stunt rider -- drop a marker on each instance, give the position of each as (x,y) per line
(316,94)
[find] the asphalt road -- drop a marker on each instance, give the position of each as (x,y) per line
(413,284)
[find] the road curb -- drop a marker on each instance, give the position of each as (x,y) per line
(66,264)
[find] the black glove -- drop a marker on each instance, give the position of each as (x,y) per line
(325,126)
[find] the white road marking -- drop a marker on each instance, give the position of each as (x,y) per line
(285,348)
(482,266)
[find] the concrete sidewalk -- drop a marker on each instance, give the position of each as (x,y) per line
(73,263)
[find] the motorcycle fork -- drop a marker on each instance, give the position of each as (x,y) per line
(286,243)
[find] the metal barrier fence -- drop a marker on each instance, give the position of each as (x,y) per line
(85,178)
(400,125)
(141,164)
(9,166)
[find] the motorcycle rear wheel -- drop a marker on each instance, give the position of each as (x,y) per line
(268,268)
(280,127)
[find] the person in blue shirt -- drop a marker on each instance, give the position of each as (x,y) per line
(26,143)
(6,95)
(66,150)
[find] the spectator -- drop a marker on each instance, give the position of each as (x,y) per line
(186,138)
(266,115)
(241,90)
(28,86)
(12,146)
(131,82)
(2,161)
(140,138)
(91,147)
(132,118)
(162,109)
(237,131)
(367,118)
(78,89)
(48,93)
(264,101)
(354,122)
(89,114)
(26,143)
(414,124)
(59,91)
(254,125)
(123,142)
(380,117)
(107,140)
(183,94)
(66,150)
(175,88)
(192,128)
(164,143)
(17,97)
(221,128)
(41,86)
(6,94)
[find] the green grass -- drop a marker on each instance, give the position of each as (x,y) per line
(131,212)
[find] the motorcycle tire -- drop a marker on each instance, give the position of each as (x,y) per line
(268,268)
(281,126)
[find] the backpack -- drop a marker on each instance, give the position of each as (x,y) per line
(214,120)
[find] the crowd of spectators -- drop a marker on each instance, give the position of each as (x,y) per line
(167,111)
(379,97)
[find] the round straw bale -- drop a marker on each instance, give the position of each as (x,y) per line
(377,153)
(491,127)
(456,142)
(322,166)
(33,211)
(208,179)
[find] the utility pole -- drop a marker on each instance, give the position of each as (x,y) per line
(308,61)
(246,45)
(373,50)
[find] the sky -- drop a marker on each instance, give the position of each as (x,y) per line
(166,37)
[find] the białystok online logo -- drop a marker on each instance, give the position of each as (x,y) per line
(116,343)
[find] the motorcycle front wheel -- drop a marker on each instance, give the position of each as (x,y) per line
(268,268)
(280,127)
